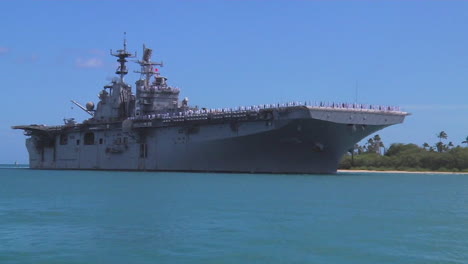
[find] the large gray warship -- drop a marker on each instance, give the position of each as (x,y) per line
(153,130)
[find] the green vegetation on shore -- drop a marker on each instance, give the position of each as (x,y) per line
(409,157)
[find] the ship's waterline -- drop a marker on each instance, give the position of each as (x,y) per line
(155,131)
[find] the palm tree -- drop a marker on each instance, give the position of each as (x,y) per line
(377,138)
(440,146)
(442,135)
(381,145)
(426,146)
(370,145)
(359,148)
(466,141)
(450,144)
(378,144)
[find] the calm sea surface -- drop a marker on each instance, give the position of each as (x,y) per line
(137,217)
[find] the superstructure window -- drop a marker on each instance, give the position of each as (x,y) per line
(63,139)
(89,138)
(101,141)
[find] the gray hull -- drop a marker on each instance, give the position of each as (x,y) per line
(291,140)
(154,130)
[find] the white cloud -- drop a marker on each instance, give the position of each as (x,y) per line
(4,50)
(89,63)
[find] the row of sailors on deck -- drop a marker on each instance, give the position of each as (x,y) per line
(359,106)
(256,108)
(198,112)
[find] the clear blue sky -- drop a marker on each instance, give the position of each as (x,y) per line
(228,53)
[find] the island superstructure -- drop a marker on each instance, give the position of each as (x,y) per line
(153,130)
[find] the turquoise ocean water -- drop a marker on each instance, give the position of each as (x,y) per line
(143,217)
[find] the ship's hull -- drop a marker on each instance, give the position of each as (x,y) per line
(301,140)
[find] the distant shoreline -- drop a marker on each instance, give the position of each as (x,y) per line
(408,172)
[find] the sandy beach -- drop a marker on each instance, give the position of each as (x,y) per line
(394,171)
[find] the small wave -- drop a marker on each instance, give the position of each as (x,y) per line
(14,166)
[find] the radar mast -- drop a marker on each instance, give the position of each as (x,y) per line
(122,54)
(146,64)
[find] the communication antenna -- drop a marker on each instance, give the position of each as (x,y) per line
(125,40)
(356,93)
(82,108)
(146,64)
(122,54)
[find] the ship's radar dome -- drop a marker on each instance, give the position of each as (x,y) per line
(185,101)
(90,106)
